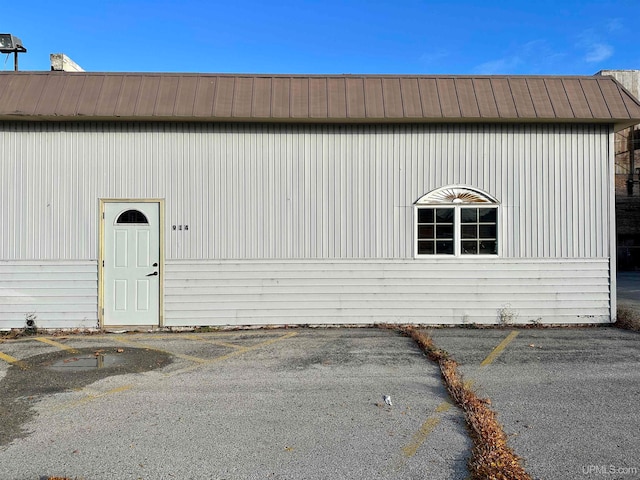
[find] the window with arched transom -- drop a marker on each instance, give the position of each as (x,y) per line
(456,221)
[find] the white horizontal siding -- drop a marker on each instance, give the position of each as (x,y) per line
(300,191)
(64,294)
(56,294)
(425,292)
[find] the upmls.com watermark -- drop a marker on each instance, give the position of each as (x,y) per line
(608,470)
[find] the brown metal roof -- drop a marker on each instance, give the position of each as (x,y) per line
(327,98)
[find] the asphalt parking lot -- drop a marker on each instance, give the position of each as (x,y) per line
(566,397)
(628,289)
(308,403)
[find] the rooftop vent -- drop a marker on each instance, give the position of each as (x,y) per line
(61,63)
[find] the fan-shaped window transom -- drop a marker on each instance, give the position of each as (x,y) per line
(456,221)
(132,217)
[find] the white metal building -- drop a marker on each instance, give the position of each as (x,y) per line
(184,199)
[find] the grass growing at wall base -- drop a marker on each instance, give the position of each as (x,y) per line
(628,318)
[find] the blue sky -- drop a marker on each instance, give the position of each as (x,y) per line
(328,36)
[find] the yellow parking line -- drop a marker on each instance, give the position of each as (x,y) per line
(13,360)
(151,347)
(253,347)
(427,427)
(498,350)
(202,361)
(420,436)
(233,354)
(215,342)
(123,388)
(59,345)
(91,397)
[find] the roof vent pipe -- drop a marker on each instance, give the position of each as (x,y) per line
(61,63)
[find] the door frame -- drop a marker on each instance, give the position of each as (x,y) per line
(101,233)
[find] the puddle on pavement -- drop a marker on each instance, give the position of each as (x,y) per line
(88,362)
(61,371)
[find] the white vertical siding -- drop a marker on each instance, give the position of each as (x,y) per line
(302,191)
(307,223)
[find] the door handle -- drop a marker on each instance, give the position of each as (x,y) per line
(152,274)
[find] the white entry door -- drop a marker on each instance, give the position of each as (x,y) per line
(131,263)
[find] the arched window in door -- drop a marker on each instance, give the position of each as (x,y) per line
(132,217)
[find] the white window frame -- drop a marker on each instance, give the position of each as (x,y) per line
(457,197)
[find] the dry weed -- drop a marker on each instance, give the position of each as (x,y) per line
(491,459)
(628,319)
